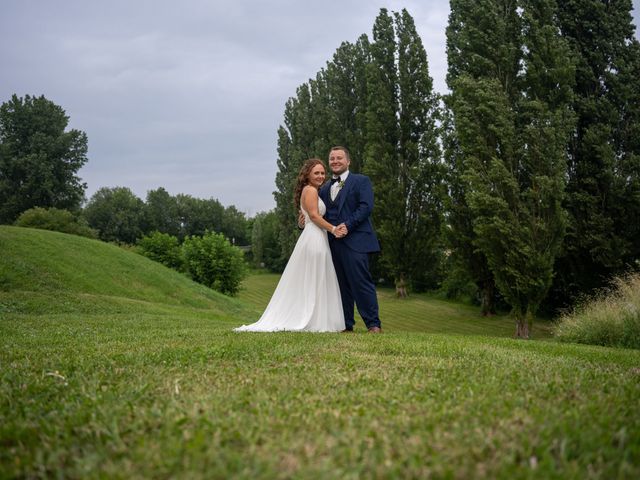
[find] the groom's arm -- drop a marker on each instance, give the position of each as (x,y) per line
(365,204)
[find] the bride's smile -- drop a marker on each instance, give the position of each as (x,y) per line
(317,176)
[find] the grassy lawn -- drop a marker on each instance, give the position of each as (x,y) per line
(114,367)
(418,313)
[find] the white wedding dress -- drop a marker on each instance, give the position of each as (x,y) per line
(307,297)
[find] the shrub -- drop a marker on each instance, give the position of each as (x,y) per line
(214,262)
(55,219)
(163,248)
(609,319)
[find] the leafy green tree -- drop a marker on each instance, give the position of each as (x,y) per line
(382,106)
(466,261)
(161,211)
(117,214)
(295,145)
(197,215)
(264,242)
(483,39)
(234,226)
(184,215)
(162,248)
(512,88)
(57,220)
(346,91)
(376,99)
(402,152)
(328,110)
(39,160)
(212,261)
(381,134)
(283,194)
(603,188)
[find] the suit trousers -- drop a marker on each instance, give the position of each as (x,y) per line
(356,284)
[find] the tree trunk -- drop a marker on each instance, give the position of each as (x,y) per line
(401,287)
(522,330)
(486,301)
(524,322)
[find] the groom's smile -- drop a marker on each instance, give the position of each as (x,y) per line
(338,161)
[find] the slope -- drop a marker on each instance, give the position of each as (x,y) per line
(44,272)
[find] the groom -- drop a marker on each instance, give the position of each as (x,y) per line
(349,201)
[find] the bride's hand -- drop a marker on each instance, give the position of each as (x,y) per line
(341,230)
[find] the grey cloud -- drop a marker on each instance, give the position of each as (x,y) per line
(186,95)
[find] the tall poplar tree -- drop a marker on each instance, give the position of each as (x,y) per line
(603,190)
(465,260)
(328,110)
(284,180)
(482,44)
(382,133)
(511,77)
(376,99)
(295,143)
(402,152)
(346,82)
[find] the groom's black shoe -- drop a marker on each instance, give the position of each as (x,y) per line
(375,330)
(347,330)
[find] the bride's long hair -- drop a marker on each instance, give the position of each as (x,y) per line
(303,178)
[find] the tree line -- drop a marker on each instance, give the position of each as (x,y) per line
(524,179)
(120,216)
(39,161)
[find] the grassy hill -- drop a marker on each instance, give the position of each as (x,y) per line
(46,272)
(114,367)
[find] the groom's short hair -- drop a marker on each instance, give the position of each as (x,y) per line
(344,149)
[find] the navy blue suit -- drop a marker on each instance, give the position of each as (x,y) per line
(353,206)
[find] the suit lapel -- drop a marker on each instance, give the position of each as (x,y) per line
(344,191)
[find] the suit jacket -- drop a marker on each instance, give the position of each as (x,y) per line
(354,205)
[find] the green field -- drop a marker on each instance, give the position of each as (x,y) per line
(112,366)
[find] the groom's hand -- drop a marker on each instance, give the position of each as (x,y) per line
(341,230)
(300,220)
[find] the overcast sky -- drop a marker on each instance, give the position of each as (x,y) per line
(187,95)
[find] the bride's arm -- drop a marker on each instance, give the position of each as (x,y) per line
(309,201)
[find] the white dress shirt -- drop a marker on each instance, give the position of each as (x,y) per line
(336,186)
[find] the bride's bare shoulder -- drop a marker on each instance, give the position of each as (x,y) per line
(309,190)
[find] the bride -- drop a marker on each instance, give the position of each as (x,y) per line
(307,297)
